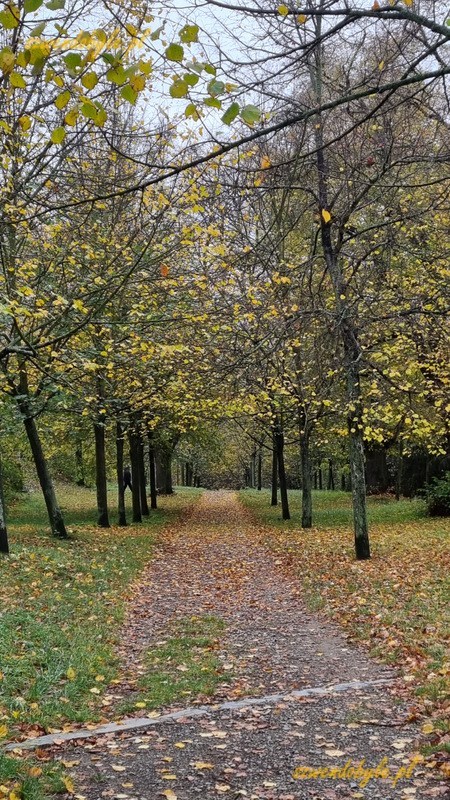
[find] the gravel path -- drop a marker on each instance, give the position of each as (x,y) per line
(214,563)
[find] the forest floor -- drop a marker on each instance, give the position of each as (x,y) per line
(295,710)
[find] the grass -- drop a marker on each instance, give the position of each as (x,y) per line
(398,602)
(183,666)
(62,605)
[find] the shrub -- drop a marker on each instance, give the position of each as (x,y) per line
(437,496)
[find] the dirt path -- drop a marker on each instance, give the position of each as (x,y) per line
(213,563)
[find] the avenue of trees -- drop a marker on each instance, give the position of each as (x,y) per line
(224,248)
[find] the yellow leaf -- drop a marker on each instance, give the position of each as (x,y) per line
(140,705)
(203,765)
(62,100)
(17,81)
(169,795)
(89,80)
(58,135)
(7,60)
(3,731)
(69,784)
(118,768)
(301,19)
(95,690)
(180,745)
(428,727)
(35,772)
(169,777)
(71,116)
(137,82)
(71,674)
(25,124)
(408,2)
(326,216)
(265,162)
(283,10)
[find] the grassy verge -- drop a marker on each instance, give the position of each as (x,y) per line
(62,605)
(397,603)
(183,666)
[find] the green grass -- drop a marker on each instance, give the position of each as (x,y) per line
(334,509)
(30,779)
(184,666)
(62,605)
(398,602)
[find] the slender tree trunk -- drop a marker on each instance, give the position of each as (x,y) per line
(119,468)
(4,545)
(183,474)
(164,471)
(319,471)
(279,436)
(100,475)
(306,477)
(274,500)
(330,482)
(346,326)
(133,438)
(54,512)
(142,482)
(79,464)
(399,480)
(259,470)
(152,473)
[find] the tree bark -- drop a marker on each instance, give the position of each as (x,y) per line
(133,438)
(119,472)
(100,475)
(164,471)
(152,473)
(347,330)
(79,462)
(305,436)
(142,482)
(4,544)
(274,499)
(259,470)
(279,438)
(330,481)
(54,512)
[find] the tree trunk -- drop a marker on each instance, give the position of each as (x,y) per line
(345,325)
(79,464)
(119,468)
(152,473)
(4,545)
(279,437)
(133,439)
(54,512)
(100,475)
(319,472)
(274,500)
(306,477)
(330,481)
(142,482)
(183,474)
(399,481)
(259,470)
